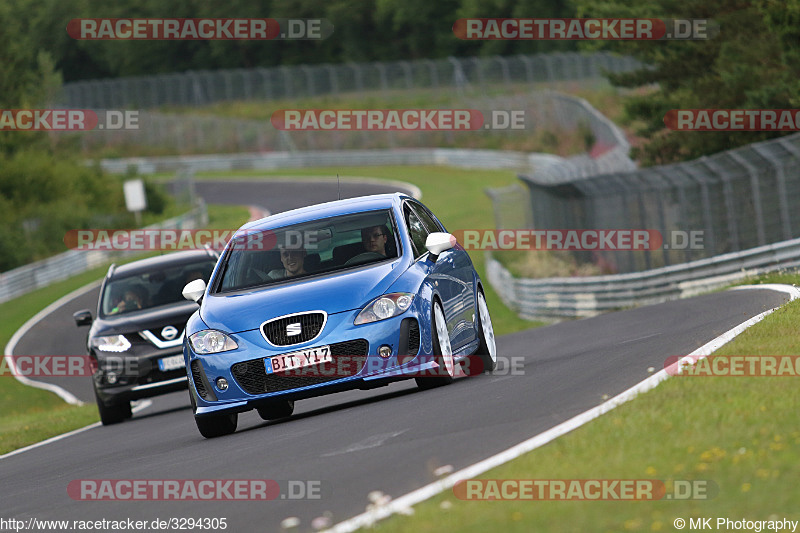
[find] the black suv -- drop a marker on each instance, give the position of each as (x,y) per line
(136,340)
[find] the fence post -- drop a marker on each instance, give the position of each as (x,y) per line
(434,73)
(357,74)
(504,68)
(309,79)
(408,74)
(528,67)
(783,201)
(756,192)
(334,81)
(730,206)
(382,72)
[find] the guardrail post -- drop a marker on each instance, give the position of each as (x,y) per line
(529,77)
(756,192)
(730,206)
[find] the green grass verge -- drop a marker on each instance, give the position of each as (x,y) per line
(740,433)
(31,415)
(456,196)
(787,277)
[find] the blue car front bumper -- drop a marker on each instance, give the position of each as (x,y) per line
(355,363)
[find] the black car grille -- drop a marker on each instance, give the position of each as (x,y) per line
(157,331)
(348,360)
(310,326)
(197,377)
(413,338)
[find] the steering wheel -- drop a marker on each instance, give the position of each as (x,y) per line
(363,257)
(252,273)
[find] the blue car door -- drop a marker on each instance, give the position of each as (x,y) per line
(451,274)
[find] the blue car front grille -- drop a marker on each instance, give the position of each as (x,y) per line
(348,360)
(310,326)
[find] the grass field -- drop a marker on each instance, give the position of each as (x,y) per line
(30,415)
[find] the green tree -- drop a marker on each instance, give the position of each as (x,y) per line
(751,64)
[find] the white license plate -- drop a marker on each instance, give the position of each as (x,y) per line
(299,359)
(175,362)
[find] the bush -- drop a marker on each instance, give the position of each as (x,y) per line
(43,196)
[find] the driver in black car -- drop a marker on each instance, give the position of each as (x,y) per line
(375,239)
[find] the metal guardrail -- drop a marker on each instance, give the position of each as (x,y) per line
(543,111)
(272,161)
(27,278)
(558,298)
(195,88)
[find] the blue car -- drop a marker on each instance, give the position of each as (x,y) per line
(351,294)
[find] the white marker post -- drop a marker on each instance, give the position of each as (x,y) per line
(135,198)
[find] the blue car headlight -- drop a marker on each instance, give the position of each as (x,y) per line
(211,341)
(384,307)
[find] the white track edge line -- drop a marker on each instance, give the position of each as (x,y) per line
(12,343)
(423,493)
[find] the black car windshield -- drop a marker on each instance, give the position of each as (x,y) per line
(151,289)
(319,246)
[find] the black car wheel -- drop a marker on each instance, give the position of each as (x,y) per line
(276,410)
(113,414)
(211,426)
(487,350)
(442,351)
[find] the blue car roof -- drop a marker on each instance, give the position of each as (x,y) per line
(327,209)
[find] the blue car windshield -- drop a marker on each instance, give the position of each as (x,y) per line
(263,257)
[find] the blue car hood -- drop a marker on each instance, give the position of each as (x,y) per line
(333,293)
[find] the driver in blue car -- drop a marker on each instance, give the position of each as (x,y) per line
(375,239)
(293,260)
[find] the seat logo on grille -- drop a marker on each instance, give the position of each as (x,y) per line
(169,332)
(294,329)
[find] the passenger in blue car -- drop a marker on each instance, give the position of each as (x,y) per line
(375,239)
(293,264)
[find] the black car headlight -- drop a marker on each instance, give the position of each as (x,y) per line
(111,343)
(383,307)
(211,341)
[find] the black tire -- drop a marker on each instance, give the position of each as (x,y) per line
(212,426)
(113,414)
(277,410)
(487,362)
(437,380)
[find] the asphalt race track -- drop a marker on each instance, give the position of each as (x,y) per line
(388,439)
